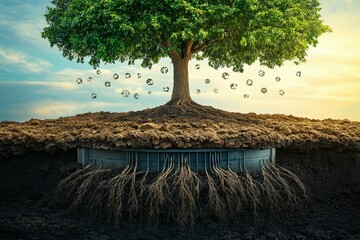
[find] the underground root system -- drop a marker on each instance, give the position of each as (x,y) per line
(181,194)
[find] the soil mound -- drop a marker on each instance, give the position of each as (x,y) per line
(189,126)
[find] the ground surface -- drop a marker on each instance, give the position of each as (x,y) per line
(178,127)
(36,155)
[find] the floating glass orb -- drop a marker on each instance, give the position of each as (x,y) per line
(164,70)
(298,73)
(115,76)
(149,81)
(264,90)
(261,73)
(282,92)
(93,95)
(225,75)
(207,81)
(126,93)
(98,72)
(127,75)
(216,90)
(249,82)
(166,89)
(149,92)
(246,96)
(138,75)
(198,91)
(107,84)
(197,66)
(233,86)
(278,79)
(90,79)
(79,80)
(136,96)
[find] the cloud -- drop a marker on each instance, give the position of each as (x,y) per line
(23,61)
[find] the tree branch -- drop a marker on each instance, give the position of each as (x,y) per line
(199,47)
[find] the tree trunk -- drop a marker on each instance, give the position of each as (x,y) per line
(181,91)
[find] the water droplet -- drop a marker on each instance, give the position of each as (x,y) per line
(98,72)
(164,70)
(93,95)
(126,93)
(149,92)
(261,73)
(136,96)
(216,90)
(225,75)
(149,81)
(138,75)
(197,66)
(233,86)
(166,89)
(278,79)
(127,75)
(264,90)
(198,91)
(79,80)
(249,82)
(207,81)
(282,92)
(246,96)
(115,76)
(107,84)
(90,79)
(298,73)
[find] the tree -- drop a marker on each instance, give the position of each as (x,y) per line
(229,33)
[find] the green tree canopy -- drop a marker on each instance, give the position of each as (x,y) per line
(229,33)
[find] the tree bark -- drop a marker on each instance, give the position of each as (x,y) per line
(181,91)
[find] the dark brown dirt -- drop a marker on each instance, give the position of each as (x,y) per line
(27,184)
(178,127)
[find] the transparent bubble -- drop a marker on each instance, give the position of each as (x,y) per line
(282,92)
(278,79)
(79,80)
(166,89)
(149,92)
(107,84)
(136,96)
(225,75)
(90,79)
(149,81)
(127,75)
(93,95)
(164,70)
(216,90)
(98,71)
(246,96)
(249,82)
(264,90)
(126,93)
(298,73)
(261,73)
(115,76)
(233,86)
(198,91)
(207,81)
(197,66)
(138,75)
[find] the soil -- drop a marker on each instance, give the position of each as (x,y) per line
(37,154)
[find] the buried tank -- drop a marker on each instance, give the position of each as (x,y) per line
(198,160)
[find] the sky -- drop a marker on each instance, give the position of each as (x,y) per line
(37,82)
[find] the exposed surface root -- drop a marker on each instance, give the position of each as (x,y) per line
(177,192)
